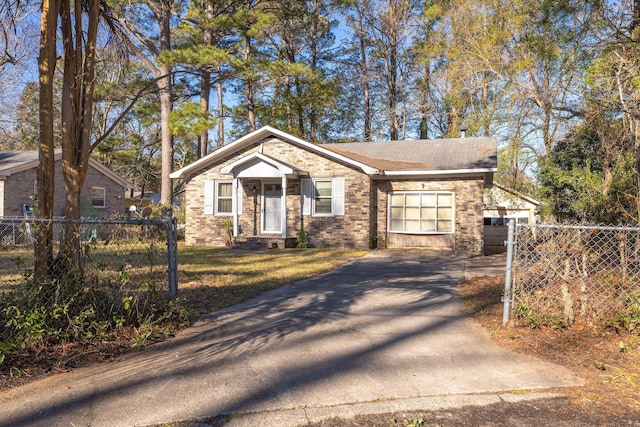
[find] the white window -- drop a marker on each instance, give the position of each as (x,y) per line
(322,196)
(224,198)
(218,197)
(421,212)
(98,197)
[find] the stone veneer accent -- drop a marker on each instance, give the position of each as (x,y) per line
(19,187)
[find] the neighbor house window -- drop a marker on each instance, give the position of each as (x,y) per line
(322,196)
(98,197)
(430,212)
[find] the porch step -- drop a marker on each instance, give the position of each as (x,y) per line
(260,243)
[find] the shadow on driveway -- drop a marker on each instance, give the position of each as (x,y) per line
(381,328)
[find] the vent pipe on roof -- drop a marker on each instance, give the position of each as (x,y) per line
(463,130)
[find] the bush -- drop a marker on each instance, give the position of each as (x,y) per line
(75,309)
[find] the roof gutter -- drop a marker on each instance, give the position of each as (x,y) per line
(438,172)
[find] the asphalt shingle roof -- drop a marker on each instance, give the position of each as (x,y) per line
(10,159)
(436,154)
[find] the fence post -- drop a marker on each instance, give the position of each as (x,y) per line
(172,254)
(506,298)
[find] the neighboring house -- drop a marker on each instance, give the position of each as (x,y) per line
(502,204)
(103,193)
(424,193)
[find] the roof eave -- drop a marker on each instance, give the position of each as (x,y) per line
(430,173)
(109,173)
(57,157)
(260,135)
(518,194)
(282,168)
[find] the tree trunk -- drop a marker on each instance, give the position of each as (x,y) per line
(365,85)
(424,107)
(166,103)
(205,92)
(79,41)
(251,117)
(220,111)
(46,66)
(393,95)
(393,71)
(166,190)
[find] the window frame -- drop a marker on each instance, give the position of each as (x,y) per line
(94,198)
(316,196)
(419,219)
(217,198)
(337,197)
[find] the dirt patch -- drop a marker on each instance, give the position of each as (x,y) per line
(557,412)
(608,359)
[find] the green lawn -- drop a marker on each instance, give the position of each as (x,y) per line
(214,278)
(208,278)
(103,261)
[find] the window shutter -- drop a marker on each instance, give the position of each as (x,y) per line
(209,186)
(306,195)
(338,196)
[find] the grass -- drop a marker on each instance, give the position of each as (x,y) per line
(209,279)
(214,278)
(143,260)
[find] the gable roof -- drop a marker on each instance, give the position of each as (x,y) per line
(499,187)
(12,162)
(263,134)
(378,159)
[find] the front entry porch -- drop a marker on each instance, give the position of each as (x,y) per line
(259,209)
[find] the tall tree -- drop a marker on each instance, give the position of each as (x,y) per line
(391,29)
(135,17)
(356,13)
(205,38)
(46,68)
(614,76)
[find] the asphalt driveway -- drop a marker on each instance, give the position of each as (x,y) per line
(382,333)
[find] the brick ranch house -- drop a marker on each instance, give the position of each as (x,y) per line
(425,193)
(103,193)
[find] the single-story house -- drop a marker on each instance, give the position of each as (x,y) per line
(423,193)
(103,193)
(502,204)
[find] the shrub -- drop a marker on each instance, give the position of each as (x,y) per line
(77,309)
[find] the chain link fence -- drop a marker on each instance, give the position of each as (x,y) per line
(566,272)
(124,252)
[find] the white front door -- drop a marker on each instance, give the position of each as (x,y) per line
(271,213)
